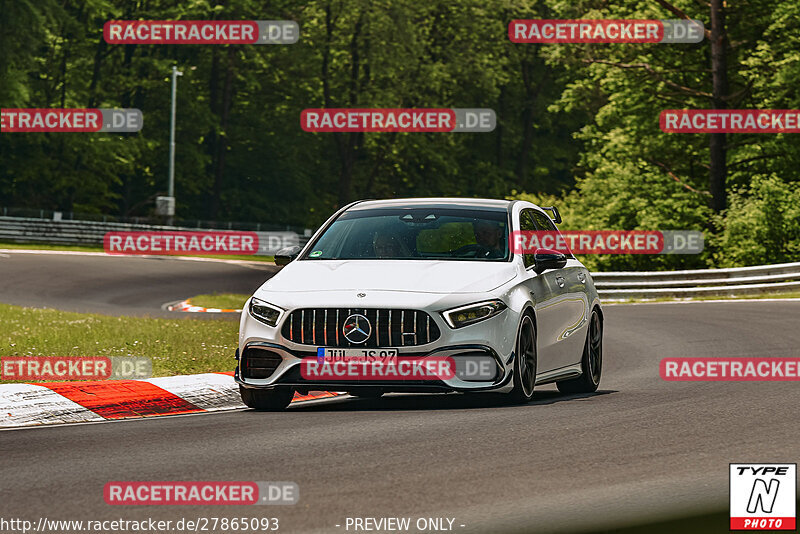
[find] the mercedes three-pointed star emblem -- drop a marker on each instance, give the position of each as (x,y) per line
(357,328)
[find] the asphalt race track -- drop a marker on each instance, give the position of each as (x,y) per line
(120,285)
(640,449)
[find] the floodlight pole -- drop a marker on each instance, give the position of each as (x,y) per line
(171,191)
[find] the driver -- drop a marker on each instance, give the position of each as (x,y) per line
(387,245)
(489,235)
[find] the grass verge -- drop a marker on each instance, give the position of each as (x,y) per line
(82,248)
(230,301)
(176,347)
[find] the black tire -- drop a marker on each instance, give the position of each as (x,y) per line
(367,393)
(525,362)
(591,361)
(266,400)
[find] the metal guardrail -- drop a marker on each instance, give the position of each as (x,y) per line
(738,281)
(610,285)
(69,232)
(193,224)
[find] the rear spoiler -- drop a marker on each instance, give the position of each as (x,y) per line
(556,215)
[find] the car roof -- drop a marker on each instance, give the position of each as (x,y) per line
(441,202)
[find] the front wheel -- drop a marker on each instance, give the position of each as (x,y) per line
(591,361)
(266,400)
(524,362)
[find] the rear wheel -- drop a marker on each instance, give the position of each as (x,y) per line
(591,362)
(266,400)
(524,362)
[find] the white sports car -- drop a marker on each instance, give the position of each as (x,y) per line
(384,283)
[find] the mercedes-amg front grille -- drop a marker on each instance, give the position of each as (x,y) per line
(388,327)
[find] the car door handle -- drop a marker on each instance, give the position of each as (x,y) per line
(582,278)
(560,281)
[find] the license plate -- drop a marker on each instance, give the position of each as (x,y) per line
(327,354)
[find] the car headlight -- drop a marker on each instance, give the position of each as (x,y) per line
(473,313)
(265,312)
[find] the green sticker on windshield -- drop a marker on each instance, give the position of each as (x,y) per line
(315,254)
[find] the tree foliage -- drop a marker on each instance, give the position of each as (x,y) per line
(577,124)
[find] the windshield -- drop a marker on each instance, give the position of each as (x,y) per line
(414,234)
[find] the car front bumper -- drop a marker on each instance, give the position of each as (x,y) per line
(287,373)
(494,337)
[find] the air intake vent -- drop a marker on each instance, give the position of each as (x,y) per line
(259,363)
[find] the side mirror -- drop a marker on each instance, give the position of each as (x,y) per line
(545,258)
(286,255)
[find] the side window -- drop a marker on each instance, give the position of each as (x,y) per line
(543,222)
(526,223)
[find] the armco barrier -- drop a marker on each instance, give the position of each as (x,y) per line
(736,281)
(610,285)
(69,232)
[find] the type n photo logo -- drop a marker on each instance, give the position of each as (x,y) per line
(763,496)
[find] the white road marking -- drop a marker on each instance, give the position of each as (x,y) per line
(250,264)
(613,303)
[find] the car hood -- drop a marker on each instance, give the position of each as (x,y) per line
(391,275)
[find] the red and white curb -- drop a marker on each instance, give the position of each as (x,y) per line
(83,402)
(187,306)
